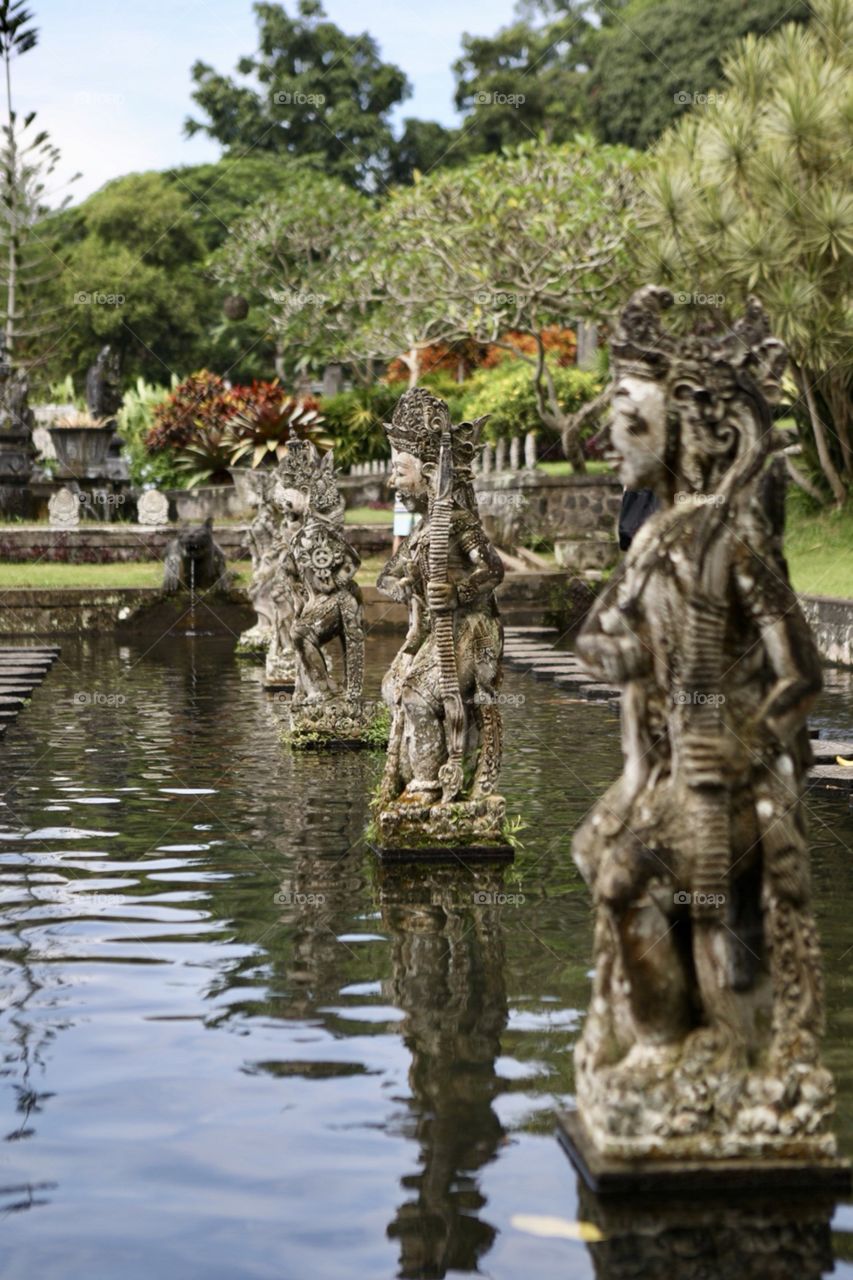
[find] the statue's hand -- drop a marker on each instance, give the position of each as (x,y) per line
(441,597)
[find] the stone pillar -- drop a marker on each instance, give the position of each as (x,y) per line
(487,463)
(500,455)
(530,451)
(515,454)
(587,344)
(333,379)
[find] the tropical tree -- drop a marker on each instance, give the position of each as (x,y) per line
(653,61)
(311,90)
(27,161)
(518,243)
(753,194)
(527,80)
(285,257)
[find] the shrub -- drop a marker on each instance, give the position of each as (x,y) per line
(353,420)
(507,394)
(202,401)
(268,418)
(135,421)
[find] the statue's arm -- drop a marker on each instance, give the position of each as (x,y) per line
(765,593)
(609,644)
(487,570)
(395,579)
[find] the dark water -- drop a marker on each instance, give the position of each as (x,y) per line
(234,1047)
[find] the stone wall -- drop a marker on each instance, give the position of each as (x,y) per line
(831,619)
(577,514)
(123,543)
(554,599)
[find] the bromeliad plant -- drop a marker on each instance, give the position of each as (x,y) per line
(260,430)
(210,427)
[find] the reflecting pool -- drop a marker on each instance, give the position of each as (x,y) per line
(233,1046)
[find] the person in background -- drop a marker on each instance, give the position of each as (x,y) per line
(637,506)
(403,522)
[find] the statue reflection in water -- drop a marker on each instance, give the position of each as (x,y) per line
(667,1238)
(448,978)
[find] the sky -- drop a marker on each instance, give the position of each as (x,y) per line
(110,81)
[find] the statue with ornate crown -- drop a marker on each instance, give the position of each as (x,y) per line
(316,574)
(701,1046)
(438,790)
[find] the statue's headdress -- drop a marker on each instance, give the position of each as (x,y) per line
(719,387)
(417,424)
(303,468)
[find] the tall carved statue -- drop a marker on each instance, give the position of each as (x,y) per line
(318,569)
(702,1039)
(263,549)
(438,789)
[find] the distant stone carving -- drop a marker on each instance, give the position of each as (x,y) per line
(438,790)
(103,386)
(263,530)
(152,508)
(63,509)
(317,568)
(194,562)
(702,1039)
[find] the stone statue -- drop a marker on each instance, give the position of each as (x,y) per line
(152,508)
(194,562)
(103,386)
(445,750)
(63,509)
(318,570)
(702,1036)
(263,550)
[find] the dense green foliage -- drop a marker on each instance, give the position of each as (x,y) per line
(135,270)
(753,195)
(507,395)
(310,90)
(654,61)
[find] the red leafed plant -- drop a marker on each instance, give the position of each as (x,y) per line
(201,402)
(560,343)
(269,417)
(211,426)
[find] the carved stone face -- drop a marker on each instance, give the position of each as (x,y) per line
(638,431)
(292,503)
(407,477)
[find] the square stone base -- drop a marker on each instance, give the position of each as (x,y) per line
(607,1175)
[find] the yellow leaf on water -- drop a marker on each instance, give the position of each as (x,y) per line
(562,1228)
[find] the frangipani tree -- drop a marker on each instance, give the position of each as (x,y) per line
(533,237)
(288,254)
(753,193)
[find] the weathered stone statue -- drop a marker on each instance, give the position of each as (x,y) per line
(438,789)
(103,386)
(263,549)
(195,562)
(16,447)
(702,1036)
(317,569)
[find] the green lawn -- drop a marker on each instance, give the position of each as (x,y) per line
(818,544)
(368,515)
(819,547)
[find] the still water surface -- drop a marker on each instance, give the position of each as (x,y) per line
(232,1046)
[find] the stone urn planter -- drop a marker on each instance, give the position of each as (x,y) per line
(82,449)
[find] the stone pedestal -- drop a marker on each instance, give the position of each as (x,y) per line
(415,830)
(728,1176)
